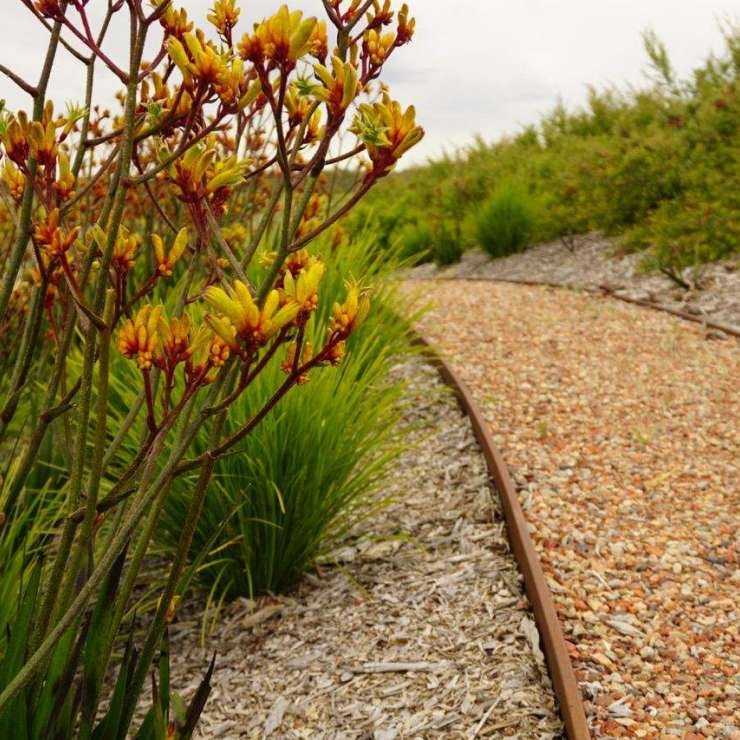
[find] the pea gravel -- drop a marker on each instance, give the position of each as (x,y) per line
(620,426)
(417,628)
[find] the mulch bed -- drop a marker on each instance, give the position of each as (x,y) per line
(620,428)
(419,629)
(594,262)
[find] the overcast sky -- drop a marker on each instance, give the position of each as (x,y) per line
(475,66)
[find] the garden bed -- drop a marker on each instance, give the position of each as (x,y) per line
(418,626)
(619,427)
(594,264)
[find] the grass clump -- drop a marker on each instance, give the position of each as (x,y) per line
(308,474)
(505,222)
(446,246)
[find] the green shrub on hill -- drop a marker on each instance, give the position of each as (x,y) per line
(655,167)
(505,222)
(415,243)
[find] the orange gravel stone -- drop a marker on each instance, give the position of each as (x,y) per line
(620,426)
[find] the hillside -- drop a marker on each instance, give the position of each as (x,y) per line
(657,167)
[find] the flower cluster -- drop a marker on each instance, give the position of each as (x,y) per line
(347,316)
(52,238)
(387,131)
(204,67)
(167,259)
(124,252)
(42,142)
(14,180)
(200,173)
(339,85)
(284,38)
(293,361)
(241,323)
(154,340)
(224,17)
(378,44)
(303,290)
(174,21)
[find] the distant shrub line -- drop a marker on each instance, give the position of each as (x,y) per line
(655,167)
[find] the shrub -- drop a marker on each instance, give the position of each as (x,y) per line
(305,476)
(639,176)
(446,247)
(687,234)
(419,243)
(387,222)
(414,243)
(505,221)
(637,163)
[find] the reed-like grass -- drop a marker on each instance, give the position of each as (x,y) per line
(505,221)
(312,470)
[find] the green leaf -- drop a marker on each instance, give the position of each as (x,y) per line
(109,725)
(54,711)
(147,730)
(14,719)
(96,650)
(164,676)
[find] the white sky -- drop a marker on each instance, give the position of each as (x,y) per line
(475,66)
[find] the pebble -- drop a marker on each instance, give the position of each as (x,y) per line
(650,407)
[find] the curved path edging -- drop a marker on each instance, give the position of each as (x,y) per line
(601,291)
(558,661)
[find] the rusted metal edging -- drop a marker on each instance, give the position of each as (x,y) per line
(558,661)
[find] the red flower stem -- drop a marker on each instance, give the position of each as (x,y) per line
(151,421)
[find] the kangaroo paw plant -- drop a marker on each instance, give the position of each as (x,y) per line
(162,243)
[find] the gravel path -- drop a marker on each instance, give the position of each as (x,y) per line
(594,262)
(620,425)
(421,630)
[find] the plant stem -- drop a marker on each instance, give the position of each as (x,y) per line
(15,258)
(283,245)
(225,248)
(154,634)
(302,205)
(262,227)
(116,212)
(25,354)
(84,542)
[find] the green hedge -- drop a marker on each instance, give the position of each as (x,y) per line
(655,167)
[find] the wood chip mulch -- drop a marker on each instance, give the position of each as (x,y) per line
(620,426)
(419,629)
